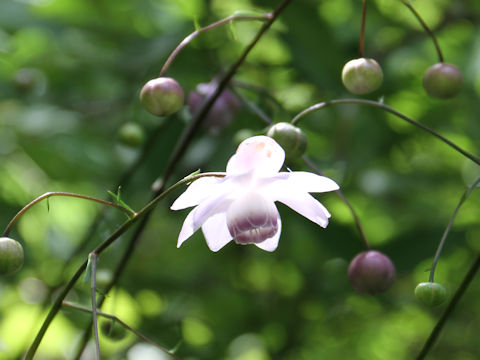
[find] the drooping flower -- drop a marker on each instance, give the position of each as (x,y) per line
(241,205)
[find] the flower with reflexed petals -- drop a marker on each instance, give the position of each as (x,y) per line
(241,205)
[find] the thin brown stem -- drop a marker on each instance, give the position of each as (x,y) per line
(362,29)
(425,27)
(92,258)
(450,223)
(194,34)
(340,194)
(125,325)
(47,195)
(386,108)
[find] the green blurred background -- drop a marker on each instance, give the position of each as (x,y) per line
(70,74)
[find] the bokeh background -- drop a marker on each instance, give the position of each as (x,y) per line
(70,75)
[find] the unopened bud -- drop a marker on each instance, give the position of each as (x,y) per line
(371,272)
(291,138)
(162,96)
(11,256)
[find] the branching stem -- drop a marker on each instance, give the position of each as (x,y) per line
(197,32)
(47,195)
(450,223)
(384,107)
(125,325)
(122,229)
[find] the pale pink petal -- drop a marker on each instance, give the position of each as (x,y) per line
(198,216)
(216,232)
(306,205)
(310,182)
(271,244)
(187,229)
(285,182)
(198,191)
(261,154)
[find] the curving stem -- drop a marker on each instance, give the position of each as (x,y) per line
(47,195)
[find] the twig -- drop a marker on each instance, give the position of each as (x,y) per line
(92,258)
(450,223)
(426,28)
(66,194)
(122,229)
(125,325)
(384,107)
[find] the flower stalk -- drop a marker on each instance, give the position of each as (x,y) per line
(386,108)
(47,195)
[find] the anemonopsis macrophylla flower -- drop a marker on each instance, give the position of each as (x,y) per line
(241,205)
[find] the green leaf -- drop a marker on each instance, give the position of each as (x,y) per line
(117,199)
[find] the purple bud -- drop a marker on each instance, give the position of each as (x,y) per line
(371,272)
(443,81)
(222,111)
(162,96)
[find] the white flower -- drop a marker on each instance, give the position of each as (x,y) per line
(241,205)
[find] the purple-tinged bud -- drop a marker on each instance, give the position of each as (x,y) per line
(11,256)
(430,293)
(362,76)
(162,96)
(223,110)
(443,81)
(371,272)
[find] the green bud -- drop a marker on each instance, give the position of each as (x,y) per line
(430,293)
(442,81)
(162,96)
(11,256)
(131,134)
(112,329)
(362,76)
(291,138)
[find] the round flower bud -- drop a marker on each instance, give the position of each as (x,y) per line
(371,272)
(430,293)
(222,111)
(131,134)
(291,138)
(11,256)
(162,96)
(442,81)
(362,76)
(113,330)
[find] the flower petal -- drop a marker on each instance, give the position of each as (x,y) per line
(198,191)
(187,229)
(261,154)
(271,244)
(310,182)
(306,205)
(198,216)
(286,182)
(216,232)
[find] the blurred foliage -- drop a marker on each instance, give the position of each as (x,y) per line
(70,74)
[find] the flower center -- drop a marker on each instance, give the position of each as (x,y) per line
(252,219)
